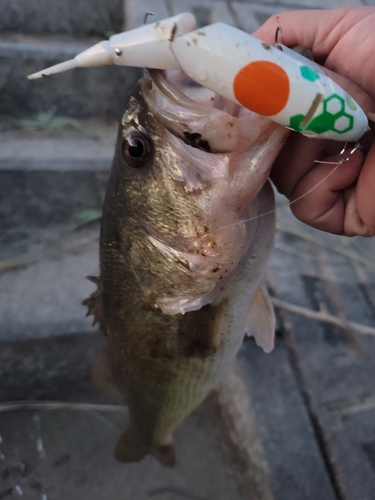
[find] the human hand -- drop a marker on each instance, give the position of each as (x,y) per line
(342,41)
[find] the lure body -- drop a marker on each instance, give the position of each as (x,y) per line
(289,89)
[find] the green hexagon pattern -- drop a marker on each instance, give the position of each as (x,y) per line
(333,117)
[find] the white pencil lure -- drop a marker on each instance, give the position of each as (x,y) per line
(284,86)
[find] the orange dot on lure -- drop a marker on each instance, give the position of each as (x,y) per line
(263,87)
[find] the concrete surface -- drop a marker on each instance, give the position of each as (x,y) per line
(68,453)
(297,424)
(94,93)
(39,198)
(92,17)
(80,147)
(39,300)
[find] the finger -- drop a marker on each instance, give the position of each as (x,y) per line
(298,157)
(366,191)
(334,36)
(317,30)
(320,195)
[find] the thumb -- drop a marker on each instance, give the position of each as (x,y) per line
(342,40)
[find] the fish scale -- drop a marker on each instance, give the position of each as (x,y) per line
(181,272)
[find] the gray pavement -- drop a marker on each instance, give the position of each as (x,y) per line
(69,454)
(297,424)
(89,18)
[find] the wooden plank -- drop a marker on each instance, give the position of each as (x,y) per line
(335,366)
(353,435)
(296,467)
(341,362)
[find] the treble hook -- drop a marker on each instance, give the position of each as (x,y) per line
(147,15)
(341,159)
(278,30)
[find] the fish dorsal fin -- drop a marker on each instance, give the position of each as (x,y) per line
(94,304)
(261,321)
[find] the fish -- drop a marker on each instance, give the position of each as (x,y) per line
(187,228)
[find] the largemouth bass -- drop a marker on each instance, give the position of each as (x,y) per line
(183,254)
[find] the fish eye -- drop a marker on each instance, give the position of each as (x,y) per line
(136,149)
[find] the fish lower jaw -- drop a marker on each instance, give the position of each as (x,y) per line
(176,305)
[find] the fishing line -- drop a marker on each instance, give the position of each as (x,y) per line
(338,163)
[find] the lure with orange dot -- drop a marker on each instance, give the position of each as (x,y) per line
(279,84)
(290,90)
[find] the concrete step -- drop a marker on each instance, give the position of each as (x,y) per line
(87,148)
(42,279)
(47,178)
(81,93)
(42,198)
(82,17)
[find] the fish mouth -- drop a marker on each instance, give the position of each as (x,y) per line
(198,116)
(205,137)
(221,153)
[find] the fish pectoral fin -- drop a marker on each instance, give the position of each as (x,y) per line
(261,320)
(94,305)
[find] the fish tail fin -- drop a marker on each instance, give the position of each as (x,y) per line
(166,455)
(131,448)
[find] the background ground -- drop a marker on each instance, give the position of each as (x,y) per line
(297,424)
